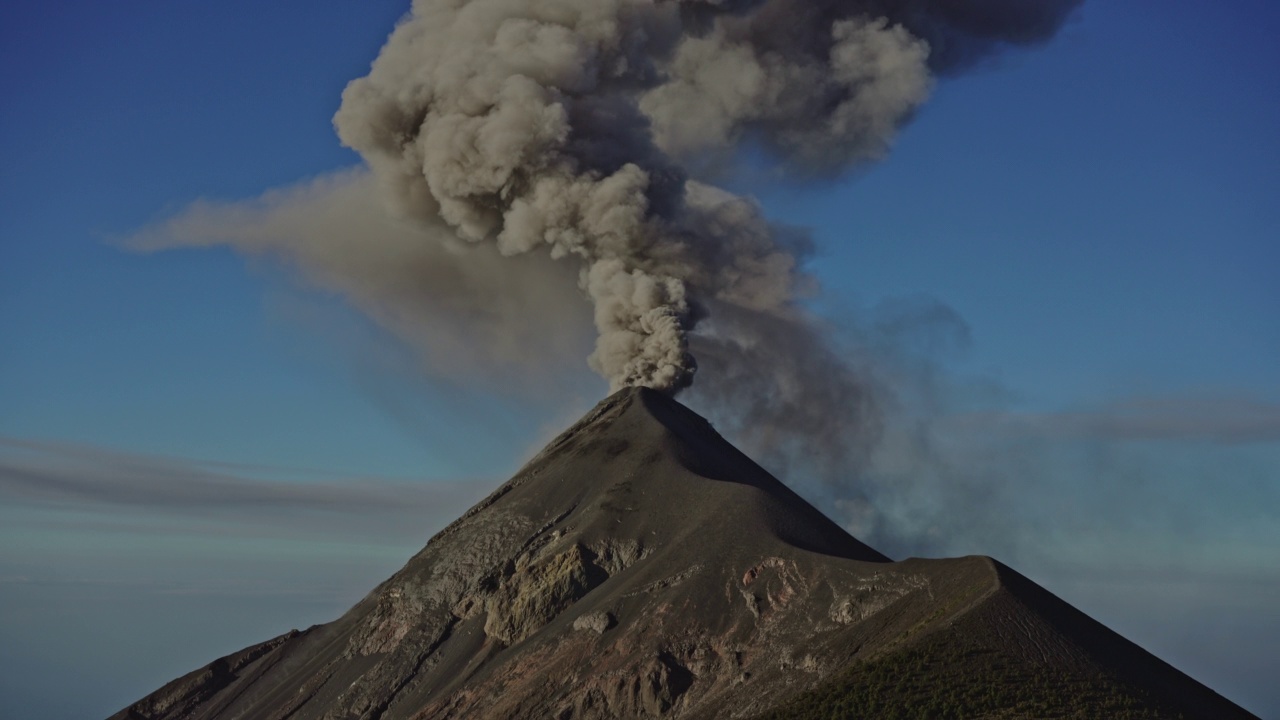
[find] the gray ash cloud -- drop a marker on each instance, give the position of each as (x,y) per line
(522,156)
(576,129)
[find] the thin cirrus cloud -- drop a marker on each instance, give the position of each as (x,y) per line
(104,488)
(1214,419)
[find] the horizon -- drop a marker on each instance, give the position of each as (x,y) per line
(1068,258)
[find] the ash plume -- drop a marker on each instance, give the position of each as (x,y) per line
(524,155)
(570,127)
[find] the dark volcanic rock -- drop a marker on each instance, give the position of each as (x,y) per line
(640,566)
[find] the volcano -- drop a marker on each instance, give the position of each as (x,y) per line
(640,566)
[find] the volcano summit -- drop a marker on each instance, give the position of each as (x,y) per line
(641,566)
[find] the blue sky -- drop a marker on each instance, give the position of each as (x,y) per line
(197,450)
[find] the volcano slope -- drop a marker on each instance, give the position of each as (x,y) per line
(640,566)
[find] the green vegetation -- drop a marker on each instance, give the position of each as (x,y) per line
(939,681)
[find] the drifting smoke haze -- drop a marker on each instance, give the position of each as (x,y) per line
(466,311)
(522,155)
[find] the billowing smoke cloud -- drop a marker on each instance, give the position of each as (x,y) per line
(535,153)
(569,126)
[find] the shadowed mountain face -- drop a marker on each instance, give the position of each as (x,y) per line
(640,566)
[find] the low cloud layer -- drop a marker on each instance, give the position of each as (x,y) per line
(1215,419)
(108,487)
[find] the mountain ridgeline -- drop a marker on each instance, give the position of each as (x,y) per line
(641,567)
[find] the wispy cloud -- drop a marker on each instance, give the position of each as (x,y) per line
(103,486)
(1218,419)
